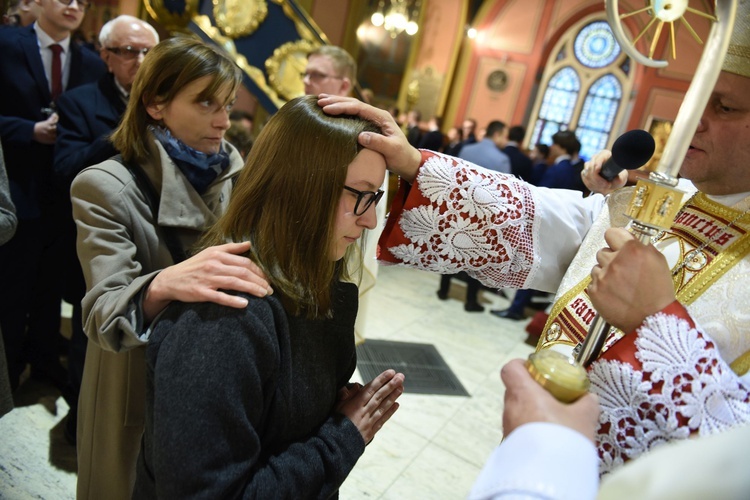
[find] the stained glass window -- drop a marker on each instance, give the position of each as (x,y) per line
(595,46)
(558,104)
(598,114)
(588,77)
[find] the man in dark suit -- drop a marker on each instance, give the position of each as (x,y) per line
(565,172)
(433,138)
(88,114)
(520,164)
(413,132)
(36,64)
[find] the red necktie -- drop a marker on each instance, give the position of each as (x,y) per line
(56,71)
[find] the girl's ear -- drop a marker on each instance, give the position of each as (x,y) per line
(155,111)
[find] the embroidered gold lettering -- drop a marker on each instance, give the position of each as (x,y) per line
(687,219)
(583,311)
(724,239)
(712,232)
(680,217)
(589,316)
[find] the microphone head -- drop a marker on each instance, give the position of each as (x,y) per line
(633,149)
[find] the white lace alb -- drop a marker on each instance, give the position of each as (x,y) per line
(474,224)
(682,387)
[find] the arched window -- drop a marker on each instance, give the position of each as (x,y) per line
(598,114)
(557,104)
(583,87)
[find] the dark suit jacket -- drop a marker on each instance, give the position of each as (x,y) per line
(453,150)
(432,140)
(537,173)
(25,92)
(520,164)
(413,135)
(563,175)
(88,115)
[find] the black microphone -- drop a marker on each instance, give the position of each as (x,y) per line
(630,151)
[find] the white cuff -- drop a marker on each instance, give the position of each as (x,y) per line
(540,461)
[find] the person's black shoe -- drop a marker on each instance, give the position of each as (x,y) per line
(51,373)
(507,314)
(442,295)
(473,307)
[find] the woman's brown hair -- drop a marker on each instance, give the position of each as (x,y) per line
(166,70)
(286,198)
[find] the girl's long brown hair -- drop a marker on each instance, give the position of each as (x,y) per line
(285,201)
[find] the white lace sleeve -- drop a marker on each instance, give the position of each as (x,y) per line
(682,387)
(497,228)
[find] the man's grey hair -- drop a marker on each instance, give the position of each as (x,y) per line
(106,31)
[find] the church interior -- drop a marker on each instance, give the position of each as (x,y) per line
(546,65)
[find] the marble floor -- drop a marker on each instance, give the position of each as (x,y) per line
(432,448)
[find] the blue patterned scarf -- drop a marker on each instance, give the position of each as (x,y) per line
(200,169)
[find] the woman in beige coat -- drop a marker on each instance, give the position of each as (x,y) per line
(131,244)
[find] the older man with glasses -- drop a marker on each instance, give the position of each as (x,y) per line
(37,63)
(88,114)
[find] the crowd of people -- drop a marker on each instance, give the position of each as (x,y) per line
(203,276)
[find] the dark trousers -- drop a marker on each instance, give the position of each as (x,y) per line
(30,293)
(472,286)
(521,300)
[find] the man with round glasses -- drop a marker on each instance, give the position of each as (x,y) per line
(88,114)
(37,63)
(329,70)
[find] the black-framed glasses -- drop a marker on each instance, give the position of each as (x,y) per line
(365,199)
(128,52)
(315,76)
(82,4)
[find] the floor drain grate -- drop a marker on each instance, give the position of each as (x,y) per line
(425,370)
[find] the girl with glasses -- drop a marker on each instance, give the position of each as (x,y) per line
(256,402)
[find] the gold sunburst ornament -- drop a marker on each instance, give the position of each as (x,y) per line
(285,68)
(667,12)
(238,18)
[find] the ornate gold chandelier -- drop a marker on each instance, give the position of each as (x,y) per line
(397,17)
